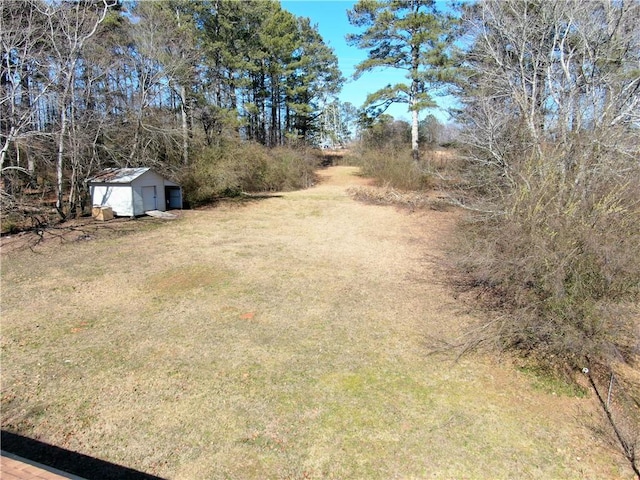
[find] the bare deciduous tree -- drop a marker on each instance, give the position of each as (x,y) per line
(551,97)
(23,76)
(70,26)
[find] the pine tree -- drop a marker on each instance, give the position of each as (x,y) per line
(411,35)
(315,78)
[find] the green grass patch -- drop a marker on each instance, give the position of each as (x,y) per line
(551,383)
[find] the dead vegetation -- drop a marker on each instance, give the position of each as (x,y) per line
(410,200)
(281,339)
(44,236)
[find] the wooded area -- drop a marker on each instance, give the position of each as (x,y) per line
(102,83)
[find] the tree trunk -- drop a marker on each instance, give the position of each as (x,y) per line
(136,141)
(5,147)
(262,115)
(185,125)
(415,150)
(413,100)
(60,158)
(273,134)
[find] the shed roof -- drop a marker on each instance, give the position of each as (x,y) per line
(119,175)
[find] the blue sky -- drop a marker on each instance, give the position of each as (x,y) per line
(331,18)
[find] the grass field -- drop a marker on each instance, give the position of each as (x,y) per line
(283,338)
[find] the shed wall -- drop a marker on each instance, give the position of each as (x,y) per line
(147,192)
(118,197)
(149,179)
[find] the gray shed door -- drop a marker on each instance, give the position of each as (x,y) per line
(149,198)
(174,197)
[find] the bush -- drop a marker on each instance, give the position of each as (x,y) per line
(395,168)
(233,167)
(289,169)
(562,259)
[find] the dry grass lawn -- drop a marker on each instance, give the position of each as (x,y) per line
(283,338)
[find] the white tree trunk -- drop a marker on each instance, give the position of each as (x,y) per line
(185,125)
(60,158)
(414,133)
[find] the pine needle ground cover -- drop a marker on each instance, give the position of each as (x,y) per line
(282,338)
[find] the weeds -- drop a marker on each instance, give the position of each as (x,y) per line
(560,264)
(231,168)
(621,417)
(562,259)
(551,383)
(390,196)
(393,167)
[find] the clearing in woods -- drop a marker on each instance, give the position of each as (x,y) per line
(280,338)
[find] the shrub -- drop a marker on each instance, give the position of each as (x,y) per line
(562,259)
(233,167)
(562,267)
(393,167)
(290,169)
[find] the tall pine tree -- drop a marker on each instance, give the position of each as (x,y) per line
(410,35)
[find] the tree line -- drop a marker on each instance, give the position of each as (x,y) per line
(103,82)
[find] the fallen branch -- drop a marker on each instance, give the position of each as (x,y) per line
(627,446)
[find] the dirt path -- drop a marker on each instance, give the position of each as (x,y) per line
(284,338)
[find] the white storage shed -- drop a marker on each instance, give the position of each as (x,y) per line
(131,192)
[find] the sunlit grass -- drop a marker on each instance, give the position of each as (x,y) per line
(281,339)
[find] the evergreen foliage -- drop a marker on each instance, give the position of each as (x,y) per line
(411,35)
(88,85)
